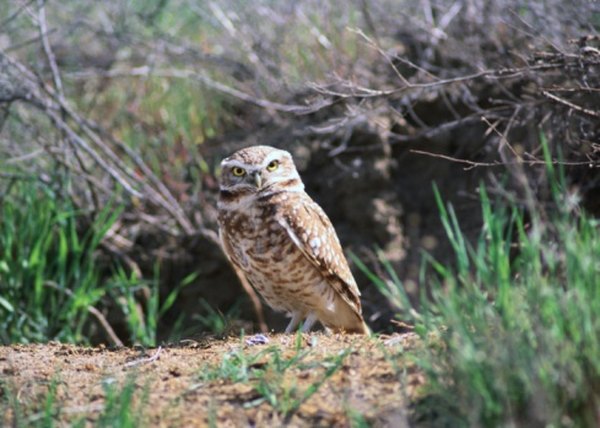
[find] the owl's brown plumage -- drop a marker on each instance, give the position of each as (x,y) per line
(283,243)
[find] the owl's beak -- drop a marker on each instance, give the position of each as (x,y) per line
(258,179)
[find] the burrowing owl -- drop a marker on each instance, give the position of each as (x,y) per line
(283,243)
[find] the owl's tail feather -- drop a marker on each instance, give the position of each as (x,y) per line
(344,318)
(363,329)
(366,329)
(359,328)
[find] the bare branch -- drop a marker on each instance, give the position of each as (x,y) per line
(571,105)
(473,164)
(146,360)
(15,14)
(146,71)
(47,49)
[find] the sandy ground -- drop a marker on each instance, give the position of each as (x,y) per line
(312,380)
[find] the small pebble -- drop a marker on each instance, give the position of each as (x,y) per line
(257,339)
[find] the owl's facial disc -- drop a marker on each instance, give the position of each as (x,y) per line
(266,173)
(273,172)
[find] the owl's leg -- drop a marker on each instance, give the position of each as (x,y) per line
(309,322)
(296,318)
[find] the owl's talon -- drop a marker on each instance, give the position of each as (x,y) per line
(296,318)
(308,323)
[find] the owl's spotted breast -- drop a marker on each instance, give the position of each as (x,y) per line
(271,261)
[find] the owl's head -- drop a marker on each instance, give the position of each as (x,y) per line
(258,169)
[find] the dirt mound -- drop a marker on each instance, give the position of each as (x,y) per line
(307,380)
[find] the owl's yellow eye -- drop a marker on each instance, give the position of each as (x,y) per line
(273,165)
(238,172)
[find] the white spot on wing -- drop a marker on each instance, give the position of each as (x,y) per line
(315,243)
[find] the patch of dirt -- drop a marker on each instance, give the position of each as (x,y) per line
(309,380)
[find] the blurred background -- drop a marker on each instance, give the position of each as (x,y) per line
(114,117)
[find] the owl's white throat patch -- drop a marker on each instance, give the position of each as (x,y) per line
(241,202)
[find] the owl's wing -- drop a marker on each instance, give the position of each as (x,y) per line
(311,230)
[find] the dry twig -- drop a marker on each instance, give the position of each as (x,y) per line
(146,360)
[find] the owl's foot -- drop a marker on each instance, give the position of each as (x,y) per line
(309,322)
(296,318)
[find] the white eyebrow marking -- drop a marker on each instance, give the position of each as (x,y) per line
(232,162)
(277,154)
